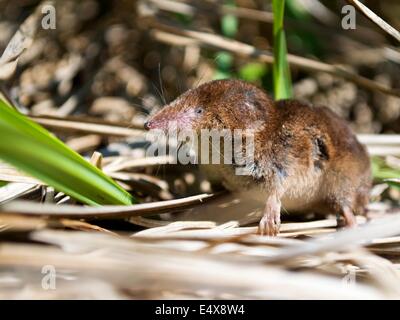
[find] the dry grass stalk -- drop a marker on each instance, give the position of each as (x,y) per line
(126,264)
(75,125)
(375,19)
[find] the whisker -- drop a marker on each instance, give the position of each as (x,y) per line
(161,84)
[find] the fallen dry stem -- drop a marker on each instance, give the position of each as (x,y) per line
(104,212)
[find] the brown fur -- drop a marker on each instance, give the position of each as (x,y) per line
(306,157)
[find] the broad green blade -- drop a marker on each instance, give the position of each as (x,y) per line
(382,172)
(29,147)
(281,70)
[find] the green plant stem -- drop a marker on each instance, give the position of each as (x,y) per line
(281,71)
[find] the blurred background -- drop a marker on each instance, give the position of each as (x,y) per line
(107,65)
(118,61)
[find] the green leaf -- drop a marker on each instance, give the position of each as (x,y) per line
(229,22)
(29,147)
(382,172)
(224,61)
(219,75)
(303,40)
(253,71)
(394,184)
(281,70)
(229,25)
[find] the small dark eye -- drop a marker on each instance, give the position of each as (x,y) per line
(199,110)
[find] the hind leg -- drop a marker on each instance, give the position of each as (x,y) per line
(347,208)
(349,187)
(344,209)
(358,206)
(347,215)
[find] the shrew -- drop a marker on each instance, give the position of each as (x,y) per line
(305,158)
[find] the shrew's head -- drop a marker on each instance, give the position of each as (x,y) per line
(219,104)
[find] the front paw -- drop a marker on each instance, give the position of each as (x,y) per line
(269,225)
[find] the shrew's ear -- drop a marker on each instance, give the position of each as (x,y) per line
(252,101)
(248,107)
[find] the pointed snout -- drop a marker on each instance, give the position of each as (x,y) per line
(157,121)
(150,124)
(147,125)
(162,120)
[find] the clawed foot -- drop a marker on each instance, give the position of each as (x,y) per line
(271,221)
(269,226)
